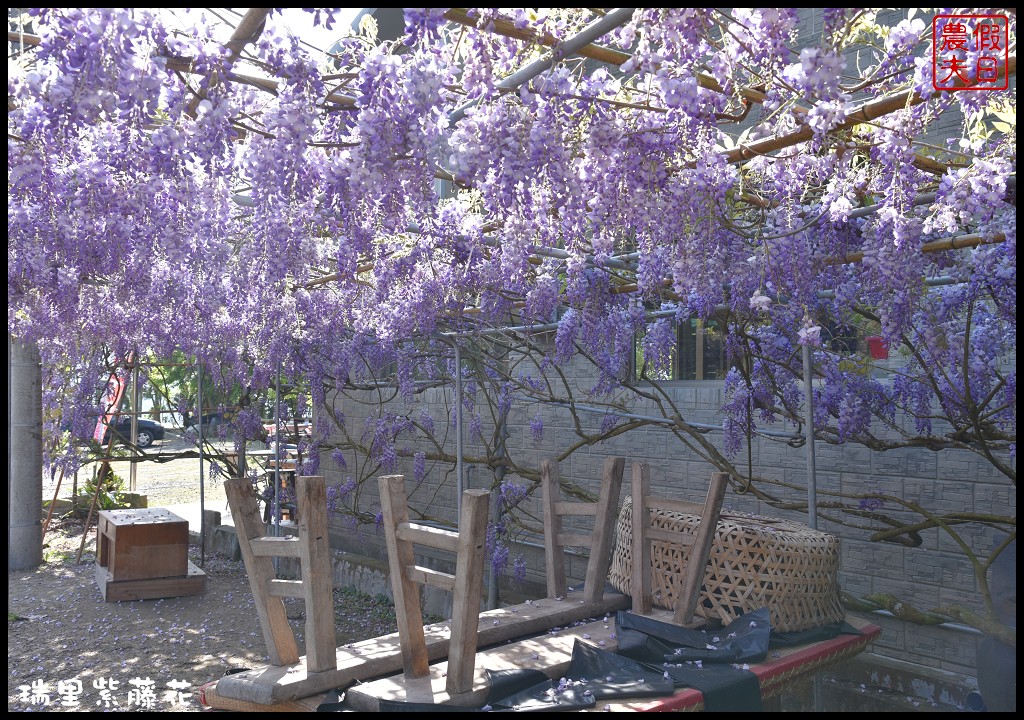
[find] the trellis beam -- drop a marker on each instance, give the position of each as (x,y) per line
(865,113)
(615,18)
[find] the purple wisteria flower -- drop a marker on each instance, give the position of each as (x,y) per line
(871,503)
(537,428)
(810,333)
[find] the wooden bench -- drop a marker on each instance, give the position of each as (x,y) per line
(311,548)
(599,540)
(277,685)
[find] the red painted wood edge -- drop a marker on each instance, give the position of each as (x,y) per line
(771,671)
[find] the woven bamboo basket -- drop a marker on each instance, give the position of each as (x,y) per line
(755,562)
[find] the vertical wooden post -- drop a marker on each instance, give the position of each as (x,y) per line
(554,558)
(469,572)
(640,580)
(317,575)
(601,539)
(281,646)
(693,575)
(409,616)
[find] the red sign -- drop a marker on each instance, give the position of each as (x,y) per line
(112,399)
(111,402)
(970,52)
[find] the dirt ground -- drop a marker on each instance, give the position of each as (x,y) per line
(68,650)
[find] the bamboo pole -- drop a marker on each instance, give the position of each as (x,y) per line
(53,503)
(865,113)
(954,243)
(248,30)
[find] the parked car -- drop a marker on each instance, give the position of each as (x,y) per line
(148,431)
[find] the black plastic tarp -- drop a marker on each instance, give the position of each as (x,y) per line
(654,658)
(708,660)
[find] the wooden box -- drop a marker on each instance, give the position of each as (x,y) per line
(143,553)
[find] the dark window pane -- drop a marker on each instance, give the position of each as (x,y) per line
(688,337)
(714,353)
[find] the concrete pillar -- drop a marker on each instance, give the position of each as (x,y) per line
(25,456)
(211,521)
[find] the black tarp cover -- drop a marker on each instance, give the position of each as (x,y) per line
(593,674)
(654,658)
(712,661)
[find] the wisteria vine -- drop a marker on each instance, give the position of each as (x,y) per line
(271,208)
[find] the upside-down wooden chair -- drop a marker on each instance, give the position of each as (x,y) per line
(692,578)
(599,541)
(311,548)
(465,584)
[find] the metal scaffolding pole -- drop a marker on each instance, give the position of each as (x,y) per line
(202,476)
(133,472)
(459,470)
(277,462)
(812,478)
(812,487)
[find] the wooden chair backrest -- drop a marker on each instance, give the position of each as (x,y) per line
(599,541)
(692,576)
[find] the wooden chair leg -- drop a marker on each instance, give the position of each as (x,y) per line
(604,528)
(469,573)
(693,576)
(598,541)
(408,614)
(281,646)
(554,555)
(466,585)
(312,549)
(317,574)
(640,580)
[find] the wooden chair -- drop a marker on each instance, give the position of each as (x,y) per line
(692,578)
(466,584)
(311,548)
(599,540)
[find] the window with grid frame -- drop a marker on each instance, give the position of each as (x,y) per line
(697,353)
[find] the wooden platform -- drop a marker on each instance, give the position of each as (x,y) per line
(150,588)
(382,656)
(551,653)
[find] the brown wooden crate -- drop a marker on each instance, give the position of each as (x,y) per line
(141,544)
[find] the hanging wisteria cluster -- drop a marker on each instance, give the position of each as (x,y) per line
(248,204)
